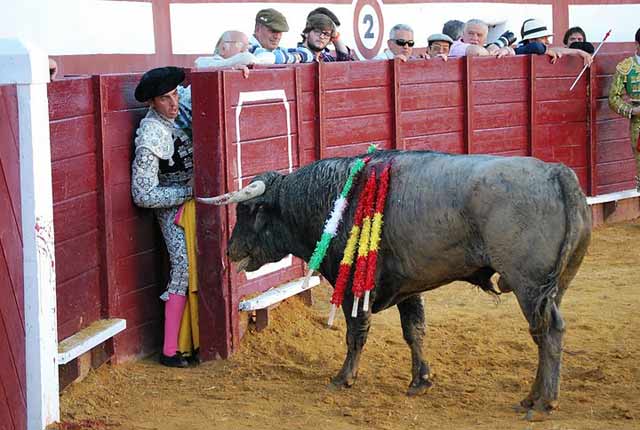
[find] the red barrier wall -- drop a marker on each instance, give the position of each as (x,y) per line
(13,410)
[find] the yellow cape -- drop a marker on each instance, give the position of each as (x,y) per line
(189,338)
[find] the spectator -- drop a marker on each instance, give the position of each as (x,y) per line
(400,43)
(161,180)
(438,46)
(474,38)
(337,42)
(317,34)
(535,40)
(231,51)
(453,28)
(627,79)
(576,38)
(270,24)
(574,34)
(53,68)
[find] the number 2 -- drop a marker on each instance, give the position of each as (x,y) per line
(368,19)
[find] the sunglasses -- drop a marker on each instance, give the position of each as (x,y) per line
(402,42)
(320,33)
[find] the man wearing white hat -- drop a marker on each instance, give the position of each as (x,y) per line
(535,40)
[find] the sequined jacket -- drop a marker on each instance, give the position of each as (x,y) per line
(163,162)
(626,79)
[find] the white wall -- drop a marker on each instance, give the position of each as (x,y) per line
(75,27)
(596,20)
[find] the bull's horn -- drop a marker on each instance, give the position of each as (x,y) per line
(252,190)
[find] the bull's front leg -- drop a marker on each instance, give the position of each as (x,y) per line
(413,330)
(357,331)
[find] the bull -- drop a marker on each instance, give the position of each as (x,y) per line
(447,218)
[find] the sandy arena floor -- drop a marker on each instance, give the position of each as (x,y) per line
(481,355)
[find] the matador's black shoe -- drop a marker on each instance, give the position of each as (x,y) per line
(175,360)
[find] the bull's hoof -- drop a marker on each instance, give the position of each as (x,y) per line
(419,387)
(536,409)
(338,382)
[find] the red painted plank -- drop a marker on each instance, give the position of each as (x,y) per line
(265,282)
(613,188)
(136,235)
(12,313)
(503,91)
(493,141)
(360,101)
(490,69)
(136,342)
(72,137)
(119,161)
(351,150)
(121,202)
(616,172)
(73,177)
(615,129)
(561,111)
(607,62)
(15,399)
(572,156)
(141,305)
(70,97)
(433,121)
(75,216)
(9,155)
(139,271)
(260,121)
(345,131)
(355,74)
(255,159)
(569,66)
(431,96)
(422,71)
(10,238)
(614,150)
(452,143)
(553,135)
(602,86)
(307,138)
(558,89)
(78,301)
(259,80)
(308,107)
(119,92)
(120,127)
(500,115)
(76,256)
(604,112)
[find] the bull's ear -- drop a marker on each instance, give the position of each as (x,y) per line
(261,218)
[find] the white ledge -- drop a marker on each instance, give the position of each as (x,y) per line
(277,294)
(89,337)
(620,195)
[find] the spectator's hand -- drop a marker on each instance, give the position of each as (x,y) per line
(586,57)
(401,57)
(444,57)
(53,69)
(245,69)
(553,54)
(504,52)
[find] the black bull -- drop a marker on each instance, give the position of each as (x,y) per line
(447,218)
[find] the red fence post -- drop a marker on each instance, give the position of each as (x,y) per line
(468,149)
(214,289)
(532,105)
(592,89)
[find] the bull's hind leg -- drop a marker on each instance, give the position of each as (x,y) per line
(413,330)
(357,331)
(548,337)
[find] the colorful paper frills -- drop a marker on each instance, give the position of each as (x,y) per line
(376,233)
(331,225)
(360,275)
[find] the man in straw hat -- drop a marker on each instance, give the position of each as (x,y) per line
(536,39)
(627,79)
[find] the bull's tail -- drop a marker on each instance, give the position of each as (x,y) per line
(577,218)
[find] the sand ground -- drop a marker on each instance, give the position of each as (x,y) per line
(481,355)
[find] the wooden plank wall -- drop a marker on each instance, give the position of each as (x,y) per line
(76,191)
(13,410)
(615,165)
(133,251)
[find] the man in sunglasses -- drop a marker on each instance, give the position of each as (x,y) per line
(319,31)
(400,43)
